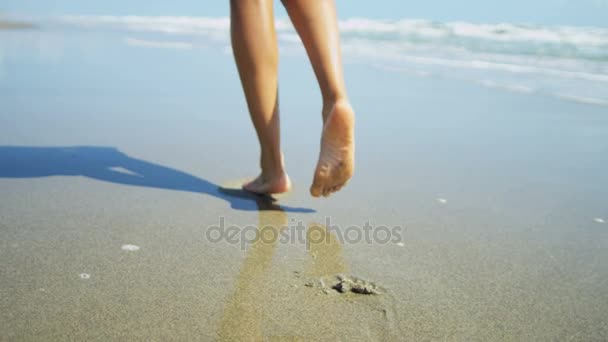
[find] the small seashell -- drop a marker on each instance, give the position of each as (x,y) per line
(130,248)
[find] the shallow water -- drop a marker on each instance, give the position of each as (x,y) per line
(108,142)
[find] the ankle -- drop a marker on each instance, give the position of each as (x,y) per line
(330,105)
(272,165)
(273,173)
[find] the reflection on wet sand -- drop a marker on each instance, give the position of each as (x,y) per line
(241,320)
(325,251)
(261,308)
(243,314)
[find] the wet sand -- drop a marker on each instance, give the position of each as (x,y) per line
(501,197)
(13,25)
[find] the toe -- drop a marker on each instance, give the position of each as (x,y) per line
(319,180)
(316,190)
(252,189)
(255,186)
(248,186)
(326,192)
(335,188)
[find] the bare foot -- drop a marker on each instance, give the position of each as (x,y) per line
(269,185)
(336,160)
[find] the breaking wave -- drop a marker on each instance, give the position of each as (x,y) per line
(561,59)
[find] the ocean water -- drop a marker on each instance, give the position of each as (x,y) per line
(568,63)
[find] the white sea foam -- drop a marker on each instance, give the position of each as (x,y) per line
(583,99)
(517,88)
(547,58)
(454,33)
(202,25)
(471,63)
(158,44)
(497,32)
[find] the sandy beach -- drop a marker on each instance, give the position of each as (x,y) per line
(121,152)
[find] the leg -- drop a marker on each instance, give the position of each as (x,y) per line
(317,24)
(254,45)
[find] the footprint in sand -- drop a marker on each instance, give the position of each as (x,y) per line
(344,284)
(328,267)
(257,311)
(343,295)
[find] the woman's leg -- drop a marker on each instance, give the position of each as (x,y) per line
(317,24)
(254,45)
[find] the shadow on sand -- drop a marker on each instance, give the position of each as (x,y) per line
(110,165)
